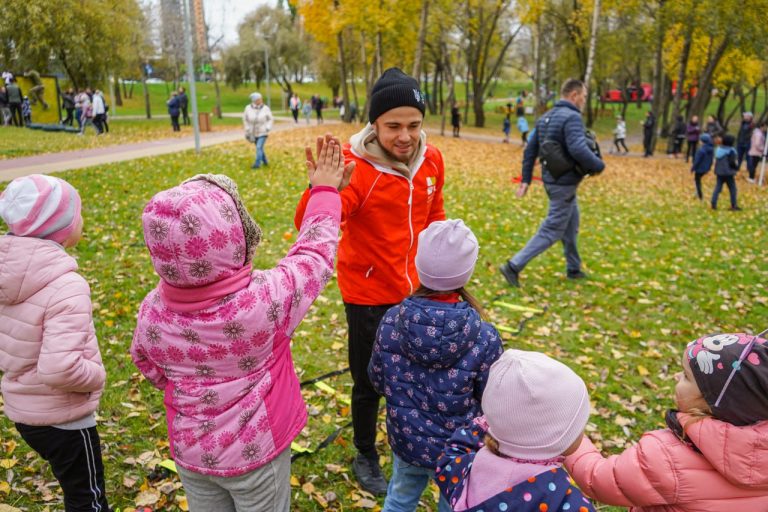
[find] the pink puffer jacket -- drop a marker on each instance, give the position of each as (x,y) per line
(217,342)
(662,474)
(49,356)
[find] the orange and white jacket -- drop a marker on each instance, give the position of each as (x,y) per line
(383,212)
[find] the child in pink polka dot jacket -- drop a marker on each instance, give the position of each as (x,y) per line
(215,335)
(511,459)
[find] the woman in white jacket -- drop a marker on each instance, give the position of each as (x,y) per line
(257,121)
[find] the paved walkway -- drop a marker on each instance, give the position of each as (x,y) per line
(67,160)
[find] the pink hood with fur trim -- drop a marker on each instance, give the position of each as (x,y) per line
(663,474)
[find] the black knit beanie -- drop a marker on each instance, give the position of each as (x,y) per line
(394,89)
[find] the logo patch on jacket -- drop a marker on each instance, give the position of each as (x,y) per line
(430,185)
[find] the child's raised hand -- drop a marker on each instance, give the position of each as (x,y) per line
(322,142)
(329,169)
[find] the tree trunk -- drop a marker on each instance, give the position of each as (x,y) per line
(721,107)
(448,72)
(118,97)
(422,38)
(537,99)
(218,94)
(146,95)
(592,43)
(345,87)
(688,39)
(700,102)
(658,71)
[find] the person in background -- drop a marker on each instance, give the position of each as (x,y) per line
(294,103)
(692,134)
(702,162)
(522,126)
(184,105)
(455,119)
(756,149)
(619,135)
(15,98)
(174,109)
(5,111)
(26,111)
(68,104)
(99,111)
(649,125)
(725,171)
(257,121)
(744,137)
(506,128)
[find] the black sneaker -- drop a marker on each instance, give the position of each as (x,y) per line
(576,275)
(368,474)
(735,209)
(511,275)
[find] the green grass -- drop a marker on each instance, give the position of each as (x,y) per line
(664,269)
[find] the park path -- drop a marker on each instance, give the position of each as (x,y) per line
(67,160)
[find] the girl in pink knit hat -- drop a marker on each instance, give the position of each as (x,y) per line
(215,335)
(535,410)
(713,454)
(53,376)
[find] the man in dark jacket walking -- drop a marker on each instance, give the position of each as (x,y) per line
(562,124)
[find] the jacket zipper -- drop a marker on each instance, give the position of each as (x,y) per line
(410,229)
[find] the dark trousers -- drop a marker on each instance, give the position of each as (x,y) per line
(647,142)
(98,122)
(752,163)
(725,180)
(363,322)
(75,459)
(185,116)
(618,142)
(295,114)
(16,117)
(741,151)
(175,123)
(691,151)
(524,136)
(70,117)
(697,178)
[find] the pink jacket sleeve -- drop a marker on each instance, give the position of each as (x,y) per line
(641,476)
(153,373)
(301,275)
(69,357)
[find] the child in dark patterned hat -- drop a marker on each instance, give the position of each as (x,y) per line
(713,453)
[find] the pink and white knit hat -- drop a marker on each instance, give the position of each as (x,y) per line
(40,206)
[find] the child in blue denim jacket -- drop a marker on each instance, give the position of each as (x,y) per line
(430,361)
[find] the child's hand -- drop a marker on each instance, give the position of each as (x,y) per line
(329,169)
(312,165)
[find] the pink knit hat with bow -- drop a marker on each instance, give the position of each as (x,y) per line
(41,206)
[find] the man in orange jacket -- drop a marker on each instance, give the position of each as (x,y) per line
(395,192)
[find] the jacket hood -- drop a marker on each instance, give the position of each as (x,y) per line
(436,334)
(199,232)
(365,144)
(706,139)
(27,265)
(723,151)
(737,453)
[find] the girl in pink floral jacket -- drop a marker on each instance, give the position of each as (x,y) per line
(215,335)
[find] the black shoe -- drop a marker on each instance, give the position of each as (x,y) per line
(735,209)
(511,275)
(368,474)
(576,275)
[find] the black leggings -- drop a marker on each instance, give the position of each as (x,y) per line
(697,177)
(75,459)
(620,141)
(691,151)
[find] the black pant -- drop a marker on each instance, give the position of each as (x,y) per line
(697,177)
(618,142)
(185,116)
(175,123)
(752,163)
(295,114)
(75,459)
(98,122)
(362,322)
(647,142)
(16,117)
(725,180)
(70,117)
(742,151)
(691,151)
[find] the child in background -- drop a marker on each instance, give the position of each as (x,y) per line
(215,335)
(511,459)
(702,162)
(26,111)
(619,134)
(726,167)
(522,126)
(506,128)
(712,455)
(431,359)
(53,376)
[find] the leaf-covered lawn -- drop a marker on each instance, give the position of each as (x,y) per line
(664,269)
(19,142)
